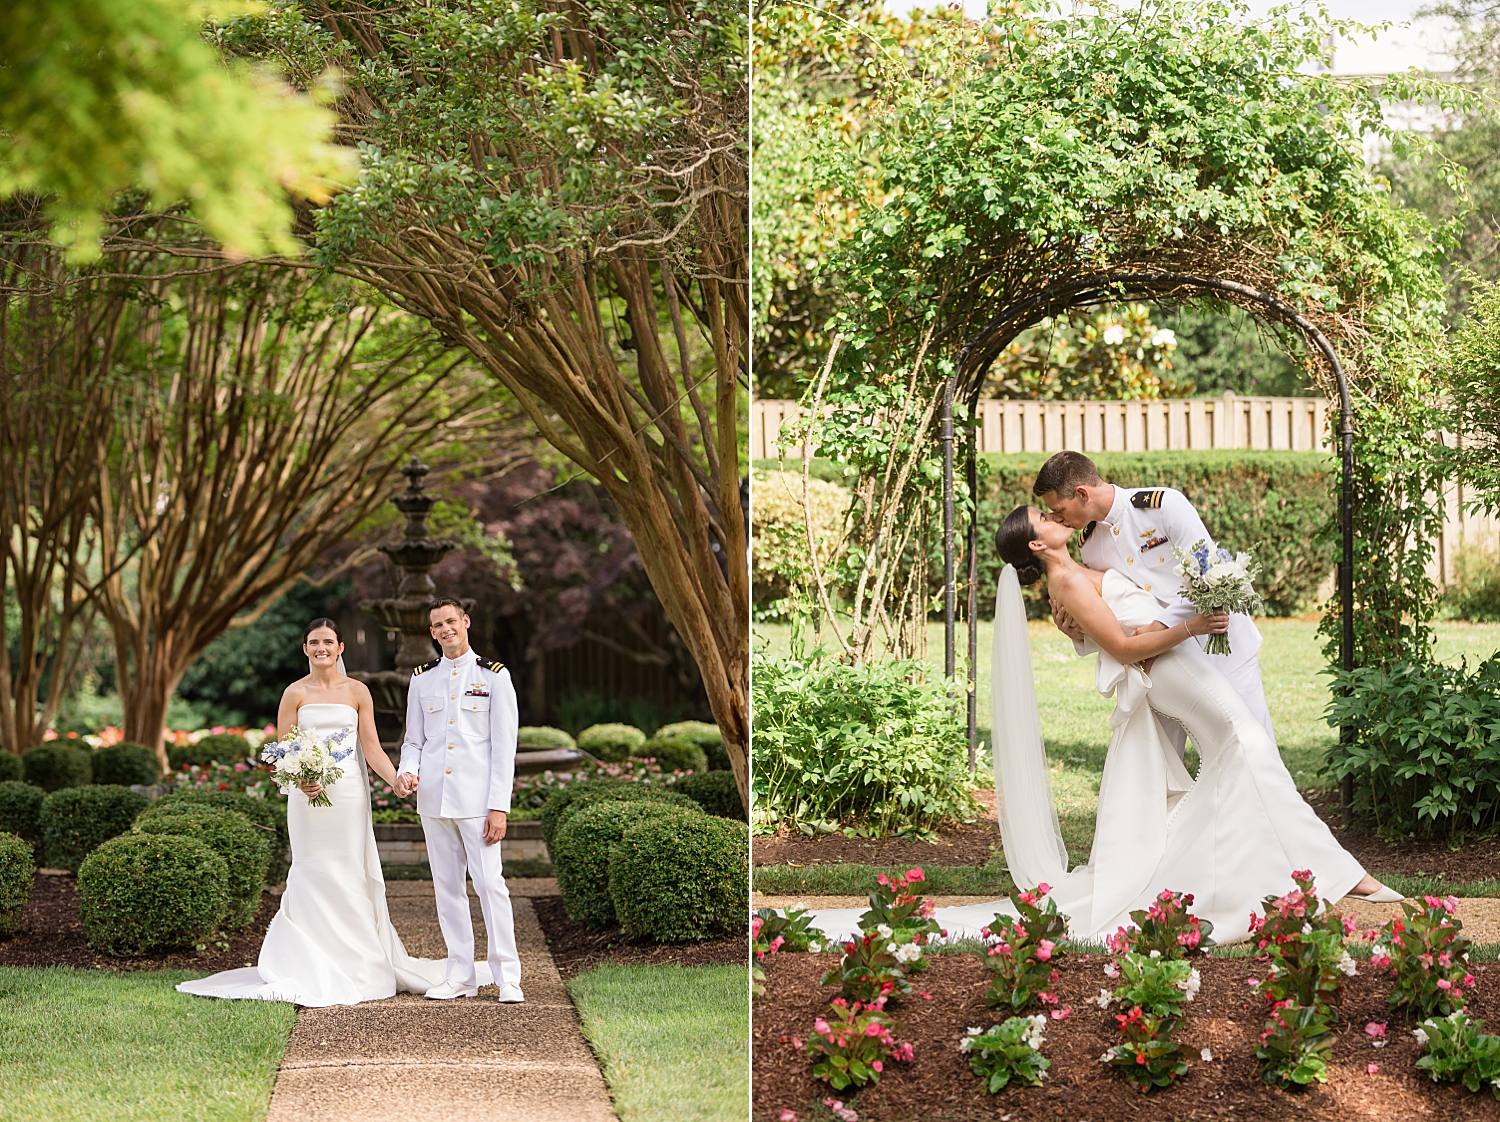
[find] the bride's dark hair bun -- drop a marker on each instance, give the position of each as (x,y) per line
(1013,543)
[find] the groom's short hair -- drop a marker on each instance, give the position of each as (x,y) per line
(443,602)
(1065,471)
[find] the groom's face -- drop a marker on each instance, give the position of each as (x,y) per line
(450,627)
(1069,509)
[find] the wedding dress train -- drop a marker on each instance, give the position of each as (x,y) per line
(1231,837)
(331,942)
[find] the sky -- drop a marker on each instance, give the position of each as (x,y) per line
(1423,44)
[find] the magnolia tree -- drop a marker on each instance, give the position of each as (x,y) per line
(562,192)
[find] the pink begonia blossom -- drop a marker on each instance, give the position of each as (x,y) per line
(796,1044)
(1375,1028)
(1444,984)
(913,875)
(1350,927)
(788,1116)
(872,1029)
(1111,970)
(1062,1014)
(1047,997)
(1044,949)
(1468,979)
(820,1025)
(1252,982)
(776,944)
(877,1065)
(1371,1069)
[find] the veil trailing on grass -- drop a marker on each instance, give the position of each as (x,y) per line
(1034,849)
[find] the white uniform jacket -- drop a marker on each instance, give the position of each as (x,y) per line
(1138,538)
(460,740)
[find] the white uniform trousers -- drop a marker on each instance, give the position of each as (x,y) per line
(453,843)
(1243,673)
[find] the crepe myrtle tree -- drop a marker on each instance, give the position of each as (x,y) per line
(562,190)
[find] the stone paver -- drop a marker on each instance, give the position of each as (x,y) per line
(413,1060)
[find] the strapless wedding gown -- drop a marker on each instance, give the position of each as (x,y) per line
(1231,837)
(331,942)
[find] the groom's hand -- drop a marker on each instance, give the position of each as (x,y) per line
(1065,622)
(494,827)
(405,784)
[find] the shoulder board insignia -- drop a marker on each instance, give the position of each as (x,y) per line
(494,665)
(426,666)
(1146,500)
(1089,530)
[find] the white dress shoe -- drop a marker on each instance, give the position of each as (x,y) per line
(447,991)
(1381,895)
(510,994)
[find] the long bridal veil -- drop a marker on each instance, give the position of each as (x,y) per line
(1034,849)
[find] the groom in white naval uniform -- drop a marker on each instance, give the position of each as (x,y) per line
(459,755)
(1135,531)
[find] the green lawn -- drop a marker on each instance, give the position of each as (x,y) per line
(673,1041)
(93,1046)
(1075,719)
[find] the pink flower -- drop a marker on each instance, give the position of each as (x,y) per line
(1444,984)
(904,1052)
(788,1116)
(872,1029)
(755,925)
(913,875)
(1468,979)
(1044,949)
(776,944)
(1350,926)
(1252,982)
(1375,1029)
(796,1043)
(1371,1069)
(1166,894)
(821,1026)
(1062,1014)
(878,1066)
(1047,997)
(1043,888)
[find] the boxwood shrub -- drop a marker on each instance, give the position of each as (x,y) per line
(17,867)
(77,820)
(611,743)
(146,892)
(673,753)
(11,770)
(681,879)
(55,766)
(705,735)
(581,856)
(233,838)
(714,791)
(21,811)
(580,795)
(126,763)
(224,747)
(543,736)
(267,815)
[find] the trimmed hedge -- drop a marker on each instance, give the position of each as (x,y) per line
(543,736)
(11,770)
(144,892)
(681,879)
(233,838)
(55,766)
(673,753)
(611,743)
(562,803)
(715,792)
(17,868)
(705,735)
(581,856)
(21,811)
(268,816)
(221,747)
(126,763)
(77,820)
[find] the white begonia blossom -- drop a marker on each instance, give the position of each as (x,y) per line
(1104,1057)
(815,948)
(1346,964)
(1114,334)
(1421,1036)
(1191,984)
(1155,954)
(909,953)
(883,931)
(1207,1054)
(1307,929)
(1034,1037)
(1104,998)
(1111,970)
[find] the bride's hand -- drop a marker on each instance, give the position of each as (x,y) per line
(311,790)
(1215,624)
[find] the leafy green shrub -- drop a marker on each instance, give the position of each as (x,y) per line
(611,742)
(674,753)
(21,811)
(268,816)
(705,735)
(542,736)
(714,791)
(55,766)
(581,855)
(1008,1053)
(873,747)
(17,868)
(11,770)
(143,892)
(1422,755)
(561,805)
(853,1045)
(1458,1050)
(221,747)
(233,838)
(681,879)
(126,764)
(1427,956)
(77,820)
(1475,591)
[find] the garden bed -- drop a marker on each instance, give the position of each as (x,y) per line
(1226,1018)
(576,949)
(52,935)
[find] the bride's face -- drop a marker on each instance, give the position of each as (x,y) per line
(1049,529)
(322,647)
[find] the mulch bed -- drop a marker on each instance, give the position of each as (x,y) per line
(53,936)
(1477,859)
(1226,1017)
(576,949)
(971,843)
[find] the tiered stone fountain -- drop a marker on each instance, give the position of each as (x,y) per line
(406,613)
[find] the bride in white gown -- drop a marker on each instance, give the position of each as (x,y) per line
(331,942)
(1231,837)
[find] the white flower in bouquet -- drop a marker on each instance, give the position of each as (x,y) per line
(300,757)
(1217,580)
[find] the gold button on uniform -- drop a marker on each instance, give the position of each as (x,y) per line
(450,720)
(453,697)
(1128,561)
(1117,531)
(448,772)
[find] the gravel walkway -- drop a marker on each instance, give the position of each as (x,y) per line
(413,1060)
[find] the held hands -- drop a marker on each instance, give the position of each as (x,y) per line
(494,826)
(405,784)
(1065,621)
(1215,624)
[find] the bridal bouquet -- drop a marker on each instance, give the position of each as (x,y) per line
(1221,582)
(300,757)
